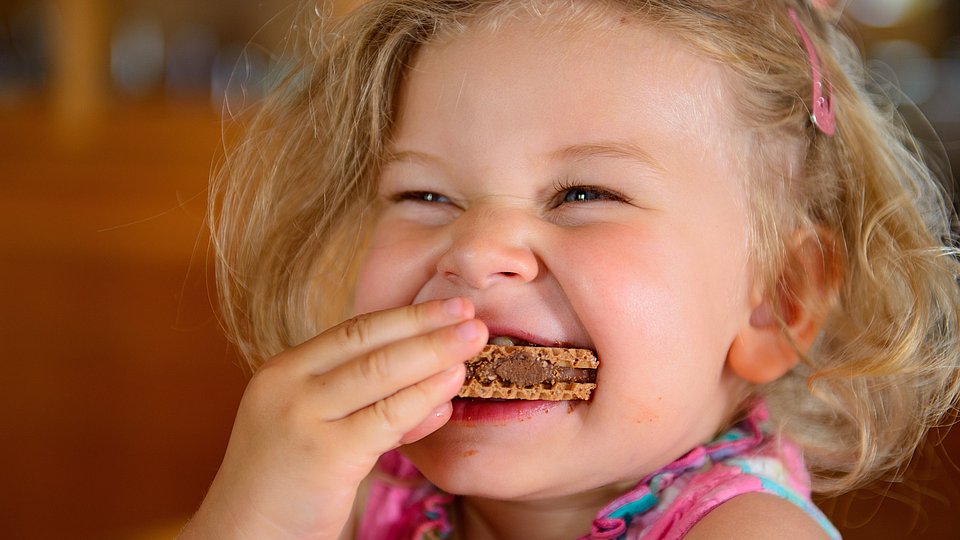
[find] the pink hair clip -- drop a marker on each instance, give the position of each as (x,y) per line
(822,113)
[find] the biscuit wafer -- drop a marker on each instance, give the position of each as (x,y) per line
(528,372)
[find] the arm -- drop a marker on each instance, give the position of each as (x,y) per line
(757,516)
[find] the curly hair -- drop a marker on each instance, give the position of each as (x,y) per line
(291,203)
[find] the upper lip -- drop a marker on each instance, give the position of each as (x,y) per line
(526,319)
(501,329)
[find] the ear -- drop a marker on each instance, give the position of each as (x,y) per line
(784,323)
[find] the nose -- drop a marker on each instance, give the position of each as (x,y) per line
(490,246)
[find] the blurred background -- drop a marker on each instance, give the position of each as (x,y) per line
(118,391)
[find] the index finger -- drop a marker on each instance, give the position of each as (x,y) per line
(364,333)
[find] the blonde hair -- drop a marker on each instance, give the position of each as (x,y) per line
(291,203)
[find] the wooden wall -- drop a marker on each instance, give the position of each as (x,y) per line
(117,391)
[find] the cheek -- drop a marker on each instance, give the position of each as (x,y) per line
(392,271)
(368,296)
(670,295)
(624,280)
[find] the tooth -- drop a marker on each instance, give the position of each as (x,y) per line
(502,341)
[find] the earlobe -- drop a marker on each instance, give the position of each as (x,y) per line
(783,326)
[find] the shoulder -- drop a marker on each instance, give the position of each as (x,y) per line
(757,516)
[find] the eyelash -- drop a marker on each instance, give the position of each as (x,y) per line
(563,190)
(420,196)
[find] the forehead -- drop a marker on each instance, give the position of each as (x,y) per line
(592,68)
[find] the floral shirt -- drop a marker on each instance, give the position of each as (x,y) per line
(665,505)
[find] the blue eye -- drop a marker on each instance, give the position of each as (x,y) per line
(587,194)
(580,195)
(427,196)
(422,196)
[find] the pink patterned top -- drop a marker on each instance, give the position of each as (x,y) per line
(665,505)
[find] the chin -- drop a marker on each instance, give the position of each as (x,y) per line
(458,469)
(471,470)
(475,470)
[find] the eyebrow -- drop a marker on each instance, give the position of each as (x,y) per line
(574,152)
(393,156)
(607,149)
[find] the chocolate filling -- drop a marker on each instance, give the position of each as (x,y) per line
(520,368)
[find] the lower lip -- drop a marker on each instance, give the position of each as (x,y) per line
(485,411)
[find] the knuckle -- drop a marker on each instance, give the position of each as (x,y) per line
(420,393)
(386,413)
(356,330)
(422,314)
(376,366)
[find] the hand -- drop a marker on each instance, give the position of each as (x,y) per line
(314,419)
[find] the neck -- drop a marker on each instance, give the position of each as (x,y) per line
(556,518)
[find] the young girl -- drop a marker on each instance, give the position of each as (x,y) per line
(701,192)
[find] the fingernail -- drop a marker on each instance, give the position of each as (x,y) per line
(453,306)
(440,411)
(467,330)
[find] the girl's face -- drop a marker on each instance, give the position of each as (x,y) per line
(582,188)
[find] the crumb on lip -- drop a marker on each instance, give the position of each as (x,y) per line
(509,341)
